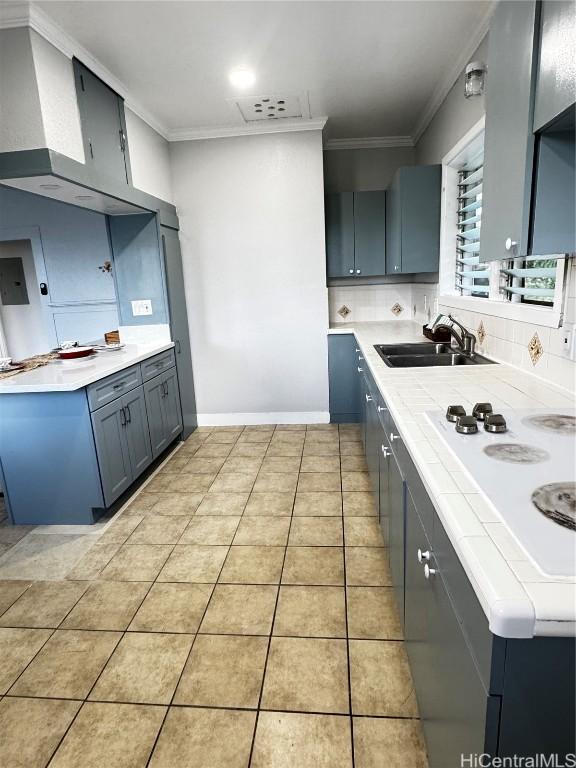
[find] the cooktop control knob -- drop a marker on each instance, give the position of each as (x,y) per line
(466,425)
(481,410)
(495,422)
(454,412)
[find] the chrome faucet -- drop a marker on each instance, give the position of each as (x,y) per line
(465,340)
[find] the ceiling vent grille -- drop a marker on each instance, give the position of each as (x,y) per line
(254,108)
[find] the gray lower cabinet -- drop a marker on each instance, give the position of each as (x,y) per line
(122,442)
(344,382)
(164,411)
(477,692)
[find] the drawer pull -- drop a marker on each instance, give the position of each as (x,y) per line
(386,453)
(360,358)
(428,572)
(423,556)
(381,408)
(119,386)
(122,417)
(394,437)
(360,370)
(368,398)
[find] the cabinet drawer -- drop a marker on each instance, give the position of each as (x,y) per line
(106,390)
(157,364)
(486,648)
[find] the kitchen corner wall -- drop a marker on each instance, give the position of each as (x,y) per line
(251,214)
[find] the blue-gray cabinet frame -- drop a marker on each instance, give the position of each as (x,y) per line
(164,411)
(477,692)
(413,220)
(103,125)
(339,223)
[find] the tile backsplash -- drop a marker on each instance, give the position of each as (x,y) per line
(508,341)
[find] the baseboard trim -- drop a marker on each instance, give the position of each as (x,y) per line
(233,419)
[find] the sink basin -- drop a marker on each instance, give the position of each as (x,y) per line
(422,348)
(425,356)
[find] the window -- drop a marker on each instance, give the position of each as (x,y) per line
(532,280)
(472,278)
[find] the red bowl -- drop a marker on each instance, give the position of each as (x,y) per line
(74,352)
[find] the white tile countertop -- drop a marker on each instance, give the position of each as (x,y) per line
(68,375)
(518,600)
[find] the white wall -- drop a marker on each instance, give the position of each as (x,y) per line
(149,158)
(20,114)
(23,324)
(251,214)
(58,102)
(361,170)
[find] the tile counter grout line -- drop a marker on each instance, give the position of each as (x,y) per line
(272,627)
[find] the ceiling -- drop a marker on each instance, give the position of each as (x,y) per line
(371,67)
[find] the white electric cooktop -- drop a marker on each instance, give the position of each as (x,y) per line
(529,476)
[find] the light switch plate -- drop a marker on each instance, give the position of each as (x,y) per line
(141,307)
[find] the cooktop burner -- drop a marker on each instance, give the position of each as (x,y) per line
(553,422)
(557,501)
(516,453)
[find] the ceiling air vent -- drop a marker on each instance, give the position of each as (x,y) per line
(254,108)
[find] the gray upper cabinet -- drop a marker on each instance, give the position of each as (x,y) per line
(355,234)
(103,125)
(509,140)
(413,220)
(555,78)
(339,213)
(179,323)
(369,233)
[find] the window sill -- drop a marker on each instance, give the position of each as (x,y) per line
(524,313)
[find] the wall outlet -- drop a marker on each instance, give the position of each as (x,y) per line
(569,342)
(141,307)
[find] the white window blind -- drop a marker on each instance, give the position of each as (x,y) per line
(531,279)
(472,278)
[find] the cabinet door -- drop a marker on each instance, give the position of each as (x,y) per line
(393,227)
(509,141)
(384,506)
(555,78)
(179,323)
(171,405)
(369,233)
(103,128)
(339,213)
(454,705)
(373,443)
(137,432)
(154,395)
(343,378)
(109,424)
(395,505)
(420,187)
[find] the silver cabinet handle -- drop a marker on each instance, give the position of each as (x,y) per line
(360,358)
(423,556)
(358,272)
(119,386)
(351,271)
(385,451)
(381,408)
(394,437)
(428,572)
(510,244)
(368,398)
(396,268)
(360,369)
(357,350)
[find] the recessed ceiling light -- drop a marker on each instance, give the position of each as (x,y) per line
(242,78)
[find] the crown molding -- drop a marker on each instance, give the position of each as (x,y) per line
(452,75)
(25,14)
(370,142)
(284,125)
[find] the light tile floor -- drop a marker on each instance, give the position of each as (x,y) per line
(239,612)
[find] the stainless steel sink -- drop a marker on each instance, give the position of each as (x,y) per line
(426,355)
